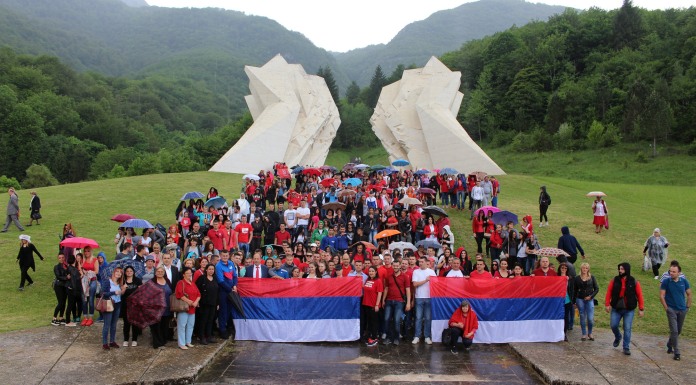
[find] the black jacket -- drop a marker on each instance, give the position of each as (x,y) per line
(208,289)
(568,243)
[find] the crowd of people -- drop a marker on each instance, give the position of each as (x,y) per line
(328,224)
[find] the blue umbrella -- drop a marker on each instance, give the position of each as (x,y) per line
(390,170)
(428,243)
(353,182)
(297,170)
(377,167)
(138,266)
(400,163)
(449,171)
(192,195)
(422,172)
(504,217)
(216,202)
(137,224)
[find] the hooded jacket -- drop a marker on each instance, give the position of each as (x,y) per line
(625,287)
(569,244)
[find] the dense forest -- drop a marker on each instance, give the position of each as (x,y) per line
(583,79)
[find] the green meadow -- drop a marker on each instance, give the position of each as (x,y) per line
(635,209)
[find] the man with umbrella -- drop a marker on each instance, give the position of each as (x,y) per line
(226,276)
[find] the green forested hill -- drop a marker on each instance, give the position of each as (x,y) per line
(441,32)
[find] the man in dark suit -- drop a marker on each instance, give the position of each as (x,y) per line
(257,270)
(171,271)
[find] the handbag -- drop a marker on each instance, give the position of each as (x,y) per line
(647,264)
(104,305)
(36,215)
(177,305)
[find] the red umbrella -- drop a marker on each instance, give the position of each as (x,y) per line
(328,182)
(79,243)
(146,305)
(312,171)
(122,217)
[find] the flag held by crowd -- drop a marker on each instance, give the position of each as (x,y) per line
(526,309)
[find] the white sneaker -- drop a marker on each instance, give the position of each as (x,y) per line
(134,343)
(547,224)
(657,277)
(428,341)
(384,336)
(541,224)
(416,340)
(125,343)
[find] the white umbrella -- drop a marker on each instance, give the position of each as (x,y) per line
(402,246)
(251,176)
(595,194)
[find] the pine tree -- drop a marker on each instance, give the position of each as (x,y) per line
(378,81)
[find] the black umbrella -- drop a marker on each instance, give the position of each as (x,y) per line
(236,303)
(435,210)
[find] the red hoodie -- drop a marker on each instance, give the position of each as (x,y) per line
(470,321)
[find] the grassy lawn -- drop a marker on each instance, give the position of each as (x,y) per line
(635,210)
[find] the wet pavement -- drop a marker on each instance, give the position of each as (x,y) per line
(246,362)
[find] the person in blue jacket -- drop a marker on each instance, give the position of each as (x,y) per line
(226,275)
(570,245)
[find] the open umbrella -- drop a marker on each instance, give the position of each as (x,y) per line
(368,245)
(387,233)
(333,206)
(79,243)
(486,209)
(361,166)
(348,166)
(435,210)
(402,246)
(192,195)
(479,174)
(297,169)
(410,201)
(595,194)
(121,217)
(548,252)
(347,193)
(251,176)
(425,190)
(137,224)
(237,305)
(377,167)
(328,182)
(449,171)
(312,171)
(353,182)
(426,243)
(146,305)
(503,217)
(138,267)
(328,168)
(400,163)
(216,202)
(422,172)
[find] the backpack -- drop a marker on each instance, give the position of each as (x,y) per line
(447,336)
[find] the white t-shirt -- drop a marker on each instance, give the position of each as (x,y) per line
(303,211)
(454,274)
(290,218)
(422,291)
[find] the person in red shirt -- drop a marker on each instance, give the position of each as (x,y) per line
(217,236)
(544,269)
(346,267)
(372,298)
(386,270)
(624,294)
(242,235)
(282,235)
(478,230)
(396,299)
(480,272)
(463,323)
(188,292)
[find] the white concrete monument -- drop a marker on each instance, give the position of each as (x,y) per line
(295,120)
(416,119)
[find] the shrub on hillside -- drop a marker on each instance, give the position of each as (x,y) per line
(38,175)
(691,150)
(6,183)
(600,136)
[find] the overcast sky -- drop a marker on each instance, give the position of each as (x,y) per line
(343,25)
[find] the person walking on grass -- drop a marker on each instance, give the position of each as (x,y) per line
(12,211)
(623,296)
(544,203)
(25,258)
(675,295)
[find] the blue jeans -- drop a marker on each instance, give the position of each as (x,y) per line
(88,303)
(395,308)
(244,247)
(494,201)
(444,197)
(627,316)
(110,321)
(184,327)
(461,199)
(529,264)
(372,236)
(586,310)
(423,316)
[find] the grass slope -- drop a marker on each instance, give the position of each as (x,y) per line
(635,211)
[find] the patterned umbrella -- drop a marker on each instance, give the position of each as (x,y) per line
(79,243)
(328,168)
(192,195)
(121,217)
(346,193)
(348,166)
(549,252)
(479,174)
(146,305)
(138,267)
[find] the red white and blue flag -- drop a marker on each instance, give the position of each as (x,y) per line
(525,309)
(299,310)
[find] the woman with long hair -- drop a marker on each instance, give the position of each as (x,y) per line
(90,272)
(205,314)
(568,304)
(477,227)
(586,289)
(112,288)
(160,329)
(131,283)
(313,271)
(372,298)
(60,286)
(74,285)
(188,292)
(25,257)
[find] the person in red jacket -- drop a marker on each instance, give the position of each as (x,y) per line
(372,298)
(477,227)
(463,323)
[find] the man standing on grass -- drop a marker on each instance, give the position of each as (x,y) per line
(623,296)
(675,295)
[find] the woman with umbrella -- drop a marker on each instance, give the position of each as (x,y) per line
(656,248)
(112,288)
(160,330)
(131,283)
(25,258)
(90,271)
(205,314)
(599,208)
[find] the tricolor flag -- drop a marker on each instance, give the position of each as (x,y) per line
(526,309)
(300,310)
